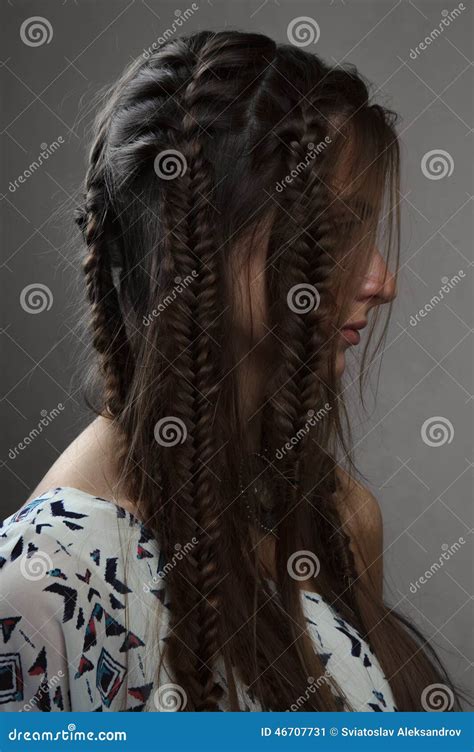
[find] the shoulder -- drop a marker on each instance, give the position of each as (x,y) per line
(42,540)
(36,564)
(362,520)
(55,510)
(69,563)
(63,524)
(56,541)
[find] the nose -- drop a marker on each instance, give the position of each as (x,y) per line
(379,285)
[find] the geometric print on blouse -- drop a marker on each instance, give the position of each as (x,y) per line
(84,616)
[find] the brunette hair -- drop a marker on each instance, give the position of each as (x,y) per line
(211,143)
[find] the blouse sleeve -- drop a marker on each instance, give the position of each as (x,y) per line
(33,663)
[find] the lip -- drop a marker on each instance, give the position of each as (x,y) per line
(350,332)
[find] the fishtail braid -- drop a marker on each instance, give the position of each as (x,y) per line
(109,332)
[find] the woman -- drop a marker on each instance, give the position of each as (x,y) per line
(199,546)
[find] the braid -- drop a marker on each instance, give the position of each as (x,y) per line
(109,332)
(180,325)
(306,267)
(300,378)
(308,378)
(194,328)
(207,356)
(203,621)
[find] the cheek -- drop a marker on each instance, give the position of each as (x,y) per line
(343,306)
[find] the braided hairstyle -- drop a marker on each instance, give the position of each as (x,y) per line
(189,156)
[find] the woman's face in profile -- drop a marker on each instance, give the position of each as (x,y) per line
(377,287)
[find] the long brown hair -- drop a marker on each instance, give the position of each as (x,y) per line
(212,143)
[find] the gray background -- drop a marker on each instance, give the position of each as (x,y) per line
(425,491)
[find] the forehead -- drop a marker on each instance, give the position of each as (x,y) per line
(359,156)
(356,184)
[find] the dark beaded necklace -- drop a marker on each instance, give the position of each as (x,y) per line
(255,490)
